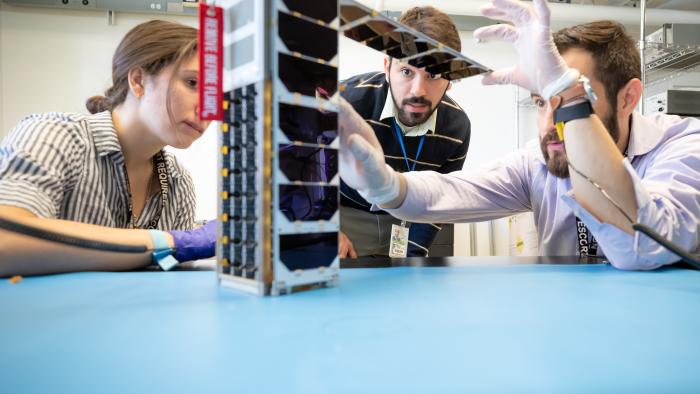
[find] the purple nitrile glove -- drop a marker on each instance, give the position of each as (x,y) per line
(199,243)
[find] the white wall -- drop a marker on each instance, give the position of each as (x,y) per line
(492,111)
(52,60)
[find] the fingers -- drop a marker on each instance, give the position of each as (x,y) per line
(347,119)
(343,105)
(516,11)
(359,148)
(502,32)
(345,247)
(542,11)
(347,116)
(367,155)
(352,253)
(492,12)
(499,77)
(350,123)
(342,245)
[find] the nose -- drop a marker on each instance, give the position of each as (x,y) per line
(549,117)
(418,86)
(546,120)
(204,123)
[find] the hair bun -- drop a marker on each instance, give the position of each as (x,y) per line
(97,104)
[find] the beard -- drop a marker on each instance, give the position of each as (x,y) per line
(557,164)
(410,119)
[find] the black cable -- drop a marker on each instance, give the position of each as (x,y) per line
(47,235)
(602,191)
(692,260)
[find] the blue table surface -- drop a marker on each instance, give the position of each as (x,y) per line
(530,328)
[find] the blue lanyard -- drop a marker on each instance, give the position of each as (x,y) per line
(399,135)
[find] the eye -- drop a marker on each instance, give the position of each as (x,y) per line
(434,76)
(191,82)
(539,102)
(406,72)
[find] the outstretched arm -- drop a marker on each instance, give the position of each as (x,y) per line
(25,255)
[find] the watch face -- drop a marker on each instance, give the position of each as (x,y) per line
(592,97)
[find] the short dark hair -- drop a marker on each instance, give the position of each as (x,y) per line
(615,53)
(434,24)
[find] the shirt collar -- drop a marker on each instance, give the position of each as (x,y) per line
(104,134)
(644,135)
(390,111)
(106,141)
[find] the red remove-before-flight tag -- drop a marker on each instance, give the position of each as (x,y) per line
(211,54)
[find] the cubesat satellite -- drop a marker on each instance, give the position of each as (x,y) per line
(278,142)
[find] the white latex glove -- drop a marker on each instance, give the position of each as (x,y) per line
(540,68)
(362,165)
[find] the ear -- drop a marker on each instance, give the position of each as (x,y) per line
(387,67)
(629,96)
(137,81)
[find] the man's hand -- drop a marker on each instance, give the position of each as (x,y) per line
(196,244)
(362,165)
(540,68)
(345,247)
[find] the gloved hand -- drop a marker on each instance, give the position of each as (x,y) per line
(199,243)
(540,68)
(362,165)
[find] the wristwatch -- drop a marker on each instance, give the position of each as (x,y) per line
(581,91)
(162,253)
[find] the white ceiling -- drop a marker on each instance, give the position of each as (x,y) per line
(687,5)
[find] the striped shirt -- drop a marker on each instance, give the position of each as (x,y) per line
(71,166)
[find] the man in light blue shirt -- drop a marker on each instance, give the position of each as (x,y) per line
(649,166)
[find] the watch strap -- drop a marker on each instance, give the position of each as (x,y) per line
(162,253)
(562,115)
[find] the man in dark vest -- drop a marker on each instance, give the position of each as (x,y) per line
(419,128)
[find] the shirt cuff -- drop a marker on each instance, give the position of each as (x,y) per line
(653,212)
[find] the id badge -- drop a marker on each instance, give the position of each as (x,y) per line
(398,247)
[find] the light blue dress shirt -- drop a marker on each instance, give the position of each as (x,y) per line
(663,159)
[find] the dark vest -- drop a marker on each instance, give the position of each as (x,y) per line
(444,149)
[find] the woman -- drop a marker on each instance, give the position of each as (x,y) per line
(105,177)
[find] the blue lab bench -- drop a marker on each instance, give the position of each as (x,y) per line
(473,325)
